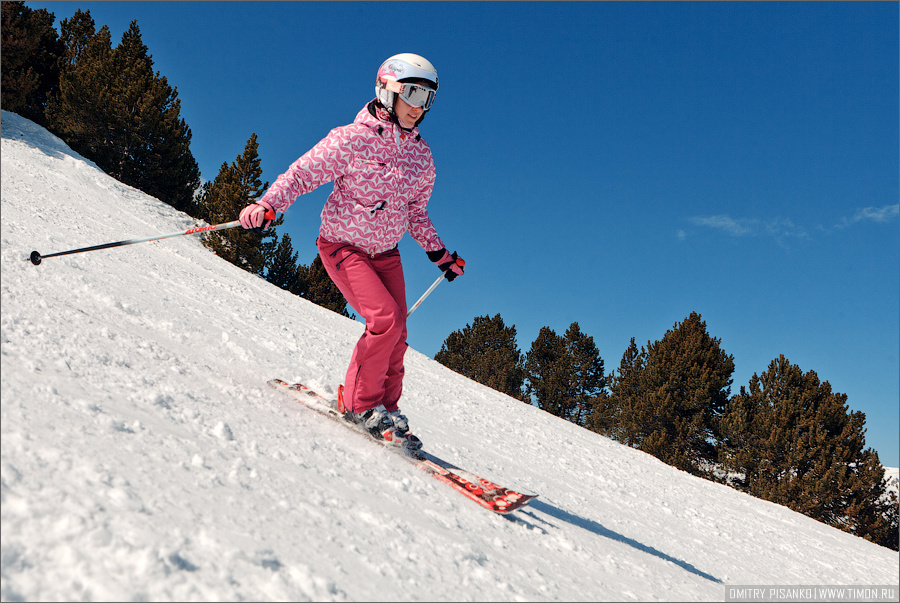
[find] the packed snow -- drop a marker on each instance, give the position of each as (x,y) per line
(144,458)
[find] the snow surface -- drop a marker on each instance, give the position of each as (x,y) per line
(143,456)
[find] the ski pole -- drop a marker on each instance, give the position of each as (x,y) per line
(430,289)
(37,257)
(424,295)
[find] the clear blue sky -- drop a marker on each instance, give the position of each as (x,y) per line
(616,164)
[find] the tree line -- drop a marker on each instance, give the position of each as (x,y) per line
(110,106)
(786,437)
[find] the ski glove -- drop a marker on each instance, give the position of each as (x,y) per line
(451,265)
(257,216)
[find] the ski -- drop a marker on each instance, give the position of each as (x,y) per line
(487,494)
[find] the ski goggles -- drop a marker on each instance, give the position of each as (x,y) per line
(412,94)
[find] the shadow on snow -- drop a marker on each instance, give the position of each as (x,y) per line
(596,528)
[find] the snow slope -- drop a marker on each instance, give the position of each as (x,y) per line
(143,457)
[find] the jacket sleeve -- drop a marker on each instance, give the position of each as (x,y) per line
(420,227)
(323,163)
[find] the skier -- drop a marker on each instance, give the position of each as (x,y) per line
(383,176)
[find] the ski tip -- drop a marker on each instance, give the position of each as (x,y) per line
(520,502)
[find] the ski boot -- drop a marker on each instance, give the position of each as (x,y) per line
(401,427)
(381,425)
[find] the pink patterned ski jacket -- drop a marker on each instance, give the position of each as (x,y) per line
(383,178)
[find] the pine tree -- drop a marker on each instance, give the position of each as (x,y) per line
(587,378)
(792,441)
(565,374)
(155,155)
(486,351)
(31,56)
(78,112)
(282,270)
(113,109)
(603,417)
(547,383)
(236,186)
(625,386)
(75,34)
(672,395)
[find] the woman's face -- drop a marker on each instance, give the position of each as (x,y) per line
(407,115)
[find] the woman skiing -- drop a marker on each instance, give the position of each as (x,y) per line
(383,176)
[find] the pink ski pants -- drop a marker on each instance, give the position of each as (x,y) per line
(373,284)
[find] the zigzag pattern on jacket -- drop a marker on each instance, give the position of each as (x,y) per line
(382,184)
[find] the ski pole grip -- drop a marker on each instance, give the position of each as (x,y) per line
(268,218)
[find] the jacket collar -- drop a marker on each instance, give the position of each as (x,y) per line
(375,116)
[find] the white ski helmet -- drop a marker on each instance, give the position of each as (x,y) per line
(411,68)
